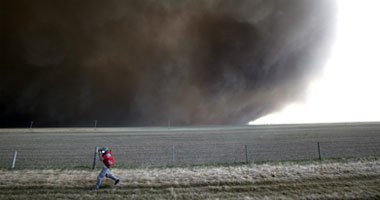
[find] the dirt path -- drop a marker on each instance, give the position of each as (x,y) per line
(344,179)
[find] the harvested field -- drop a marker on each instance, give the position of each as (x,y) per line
(329,179)
(73,147)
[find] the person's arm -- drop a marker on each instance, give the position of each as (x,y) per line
(100,156)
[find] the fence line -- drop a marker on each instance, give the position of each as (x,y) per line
(95,153)
(14,160)
(319,151)
(173,154)
(246,153)
(181,154)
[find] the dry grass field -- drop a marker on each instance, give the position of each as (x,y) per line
(140,147)
(328,179)
(55,163)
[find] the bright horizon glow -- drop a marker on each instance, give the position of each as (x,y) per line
(349,89)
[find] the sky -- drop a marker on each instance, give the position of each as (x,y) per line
(348,90)
(144,63)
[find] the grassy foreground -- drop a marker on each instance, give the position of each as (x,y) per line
(330,179)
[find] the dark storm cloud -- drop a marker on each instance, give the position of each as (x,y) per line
(142,62)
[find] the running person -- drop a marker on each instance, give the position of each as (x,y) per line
(105,156)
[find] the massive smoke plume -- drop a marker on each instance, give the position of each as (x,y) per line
(136,63)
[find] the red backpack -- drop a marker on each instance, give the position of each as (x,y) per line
(107,159)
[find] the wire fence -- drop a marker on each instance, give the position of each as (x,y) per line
(177,154)
(174,146)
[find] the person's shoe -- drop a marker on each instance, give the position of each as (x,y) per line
(94,188)
(117,181)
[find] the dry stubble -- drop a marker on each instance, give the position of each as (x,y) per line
(310,180)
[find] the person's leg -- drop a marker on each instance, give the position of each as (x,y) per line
(111,176)
(101,176)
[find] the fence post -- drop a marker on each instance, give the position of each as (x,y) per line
(95,123)
(319,151)
(94,162)
(14,160)
(172,153)
(246,153)
(31,124)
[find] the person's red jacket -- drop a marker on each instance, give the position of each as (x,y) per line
(107,159)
